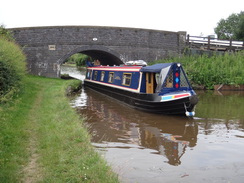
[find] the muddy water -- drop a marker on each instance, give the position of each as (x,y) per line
(144,147)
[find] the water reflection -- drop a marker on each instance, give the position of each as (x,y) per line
(111,121)
(78,73)
(225,105)
(221,113)
(170,140)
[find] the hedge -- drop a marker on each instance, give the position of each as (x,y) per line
(12,68)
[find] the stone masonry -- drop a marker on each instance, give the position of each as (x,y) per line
(48,47)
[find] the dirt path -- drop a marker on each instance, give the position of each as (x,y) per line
(32,172)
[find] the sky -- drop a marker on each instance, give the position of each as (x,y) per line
(193,16)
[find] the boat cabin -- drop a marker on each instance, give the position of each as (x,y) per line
(159,78)
(160,88)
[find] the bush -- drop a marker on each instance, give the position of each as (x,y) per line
(12,68)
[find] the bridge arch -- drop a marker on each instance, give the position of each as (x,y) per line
(105,55)
(47,48)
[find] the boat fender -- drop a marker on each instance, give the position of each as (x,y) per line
(190,114)
(193,99)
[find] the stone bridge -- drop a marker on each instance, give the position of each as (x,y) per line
(48,47)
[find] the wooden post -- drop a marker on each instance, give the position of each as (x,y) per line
(230,48)
(188,39)
(208,42)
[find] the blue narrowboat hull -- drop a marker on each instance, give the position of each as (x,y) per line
(147,102)
(160,88)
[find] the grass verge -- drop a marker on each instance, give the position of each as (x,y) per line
(43,139)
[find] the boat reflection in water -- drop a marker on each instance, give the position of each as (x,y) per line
(114,125)
(172,146)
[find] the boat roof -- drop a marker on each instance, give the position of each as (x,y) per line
(117,68)
(156,68)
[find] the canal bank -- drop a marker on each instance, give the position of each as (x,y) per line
(44,140)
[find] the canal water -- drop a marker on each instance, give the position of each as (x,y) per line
(143,147)
(73,72)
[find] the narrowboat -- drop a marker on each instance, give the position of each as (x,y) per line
(161,88)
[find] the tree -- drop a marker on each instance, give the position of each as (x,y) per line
(4,33)
(231,28)
(240,31)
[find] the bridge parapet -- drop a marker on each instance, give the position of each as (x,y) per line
(48,47)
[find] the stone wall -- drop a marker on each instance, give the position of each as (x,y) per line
(48,47)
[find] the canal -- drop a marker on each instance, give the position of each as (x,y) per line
(144,147)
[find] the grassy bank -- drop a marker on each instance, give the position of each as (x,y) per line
(43,139)
(206,71)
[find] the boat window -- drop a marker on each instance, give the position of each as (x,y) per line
(111,77)
(149,79)
(95,76)
(102,76)
(126,79)
(88,74)
(169,80)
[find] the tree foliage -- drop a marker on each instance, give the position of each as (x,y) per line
(6,34)
(231,27)
(79,59)
(240,29)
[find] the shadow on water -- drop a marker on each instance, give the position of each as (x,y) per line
(146,147)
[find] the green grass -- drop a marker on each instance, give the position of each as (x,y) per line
(44,140)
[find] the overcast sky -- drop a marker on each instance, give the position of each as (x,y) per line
(193,16)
